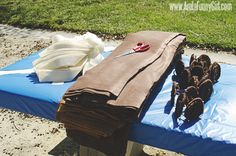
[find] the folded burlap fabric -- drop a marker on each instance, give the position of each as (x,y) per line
(111,95)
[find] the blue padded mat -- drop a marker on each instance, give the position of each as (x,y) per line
(213,134)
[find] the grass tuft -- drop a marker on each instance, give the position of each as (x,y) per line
(215,29)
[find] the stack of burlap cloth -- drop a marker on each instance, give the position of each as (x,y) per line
(99,107)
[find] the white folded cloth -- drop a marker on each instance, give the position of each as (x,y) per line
(67,57)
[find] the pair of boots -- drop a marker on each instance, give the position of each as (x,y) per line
(194,85)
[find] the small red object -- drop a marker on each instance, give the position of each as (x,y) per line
(140,47)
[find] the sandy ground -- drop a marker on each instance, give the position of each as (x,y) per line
(22,134)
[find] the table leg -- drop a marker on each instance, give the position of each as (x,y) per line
(133,149)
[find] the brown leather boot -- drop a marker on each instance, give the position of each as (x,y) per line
(191,92)
(205,89)
(175,88)
(206,61)
(194,81)
(215,72)
(192,58)
(181,101)
(179,67)
(185,79)
(194,109)
(197,70)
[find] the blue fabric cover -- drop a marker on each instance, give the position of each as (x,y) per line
(213,134)
(24,93)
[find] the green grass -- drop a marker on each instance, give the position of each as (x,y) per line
(119,17)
